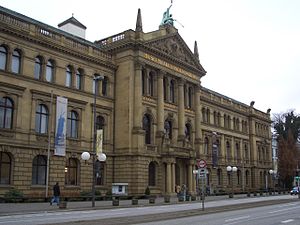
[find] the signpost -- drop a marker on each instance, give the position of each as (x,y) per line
(202,171)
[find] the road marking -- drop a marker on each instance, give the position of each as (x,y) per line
(237,218)
(287,221)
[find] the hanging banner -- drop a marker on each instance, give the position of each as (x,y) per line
(99,142)
(61,120)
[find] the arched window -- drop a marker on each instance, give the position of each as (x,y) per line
(188,132)
(144,82)
(228,122)
(206,143)
(16,62)
(190,97)
(100,124)
(151,84)
(172,91)
(225,121)
(6,113)
(219,174)
(228,151)
(247,177)
(152,174)
(5,168)
(100,172)
(215,118)
(104,86)
(3,57)
(237,151)
(39,168)
(168,129)
(41,119)
(71,172)
(49,71)
(218,147)
(68,76)
(165,83)
(78,79)
(238,177)
(208,115)
(73,124)
(246,151)
(147,128)
(261,179)
(203,115)
(38,68)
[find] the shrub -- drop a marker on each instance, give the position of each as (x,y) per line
(13,193)
(147,191)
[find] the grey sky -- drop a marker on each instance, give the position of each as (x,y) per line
(249,48)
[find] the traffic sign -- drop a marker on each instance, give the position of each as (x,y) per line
(201,163)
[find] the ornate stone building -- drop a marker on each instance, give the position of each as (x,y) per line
(157,119)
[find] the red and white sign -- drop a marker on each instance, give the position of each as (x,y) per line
(201,163)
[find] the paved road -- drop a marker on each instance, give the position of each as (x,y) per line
(125,215)
(265,215)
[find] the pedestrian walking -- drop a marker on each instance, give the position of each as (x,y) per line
(56,194)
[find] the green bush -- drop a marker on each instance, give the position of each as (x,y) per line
(108,193)
(14,193)
(147,191)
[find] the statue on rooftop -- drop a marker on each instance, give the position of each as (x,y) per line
(167,17)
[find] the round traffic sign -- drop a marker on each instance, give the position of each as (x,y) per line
(201,163)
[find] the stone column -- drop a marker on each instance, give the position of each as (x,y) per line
(160,102)
(198,121)
(190,177)
(173,177)
(137,121)
(169,178)
(181,134)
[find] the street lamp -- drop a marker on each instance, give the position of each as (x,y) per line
(101,157)
(272,173)
(230,170)
(85,155)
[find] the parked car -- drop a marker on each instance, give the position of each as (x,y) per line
(294,191)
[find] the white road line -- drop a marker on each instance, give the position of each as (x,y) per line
(287,221)
(237,218)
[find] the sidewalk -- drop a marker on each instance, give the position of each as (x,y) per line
(17,208)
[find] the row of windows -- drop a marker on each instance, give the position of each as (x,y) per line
(229,177)
(237,150)
(42,118)
(227,120)
(72,171)
(261,129)
(169,87)
(39,169)
(168,126)
(46,71)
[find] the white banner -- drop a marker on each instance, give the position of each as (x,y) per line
(99,142)
(61,126)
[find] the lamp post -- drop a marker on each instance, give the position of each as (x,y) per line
(101,157)
(272,173)
(230,170)
(85,155)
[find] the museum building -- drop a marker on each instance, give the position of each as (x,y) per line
(155,117)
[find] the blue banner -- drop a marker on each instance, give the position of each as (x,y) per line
(61,121)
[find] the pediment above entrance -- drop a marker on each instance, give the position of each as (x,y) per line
(174,46)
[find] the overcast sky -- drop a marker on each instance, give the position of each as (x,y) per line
(249,48)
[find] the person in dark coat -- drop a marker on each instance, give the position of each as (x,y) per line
(56,194)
